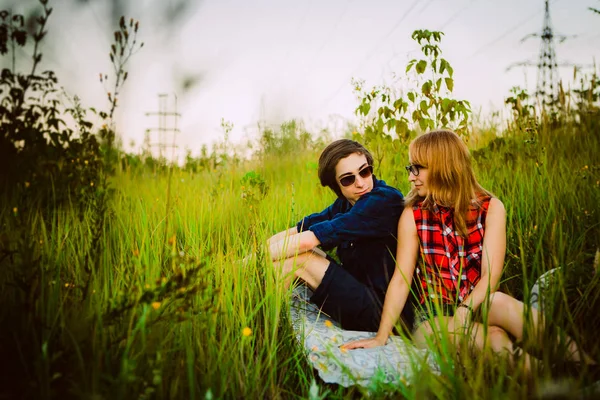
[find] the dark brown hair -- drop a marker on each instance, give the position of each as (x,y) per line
(332,154)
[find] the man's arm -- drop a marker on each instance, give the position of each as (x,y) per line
(296,243)
(281,235)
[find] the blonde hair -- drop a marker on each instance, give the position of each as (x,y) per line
(451,180)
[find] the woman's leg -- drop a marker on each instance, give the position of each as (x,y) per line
(479,337)
(508,313)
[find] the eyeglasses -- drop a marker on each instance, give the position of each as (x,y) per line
(414,169)
(350,179)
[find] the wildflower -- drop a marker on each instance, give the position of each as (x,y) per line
(172,239)
(328,323)
(136,252)
(27,184)
(147,286)
(91,183)
(15,209)
(66,285)
(86,162)
(41,241)
(246,332)
(343,349)
(155,305)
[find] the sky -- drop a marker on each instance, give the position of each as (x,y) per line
(269,61)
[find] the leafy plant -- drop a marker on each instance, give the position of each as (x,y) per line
(427,107)
(38,150)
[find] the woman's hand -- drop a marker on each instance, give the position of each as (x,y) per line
(365,343)
(462,318)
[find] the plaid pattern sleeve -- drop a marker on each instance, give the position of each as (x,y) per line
(450,264)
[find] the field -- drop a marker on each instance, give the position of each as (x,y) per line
(146,297)
(124,277)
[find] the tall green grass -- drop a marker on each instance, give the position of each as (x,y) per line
(143,329)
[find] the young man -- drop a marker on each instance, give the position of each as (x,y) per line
(361,223)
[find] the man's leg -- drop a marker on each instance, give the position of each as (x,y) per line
(309,266)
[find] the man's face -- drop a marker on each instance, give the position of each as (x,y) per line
(356,170)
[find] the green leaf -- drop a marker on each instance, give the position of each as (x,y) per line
(423,106)
(423,124)
(438,84)
(426,88)
(365,108)
(445,105)
(450,70)
(449,83)
(390,124)
(443,64)
(421,65)
(410,64)
(401,128)
(411,96)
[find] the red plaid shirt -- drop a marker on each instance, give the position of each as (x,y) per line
(450,265)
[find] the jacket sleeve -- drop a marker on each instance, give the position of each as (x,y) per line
(327,214)
(374,215)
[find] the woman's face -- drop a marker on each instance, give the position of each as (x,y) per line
(354,165)
(417,176)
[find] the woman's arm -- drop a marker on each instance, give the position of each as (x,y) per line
(399,287)
(492,256)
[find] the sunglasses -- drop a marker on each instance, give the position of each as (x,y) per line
(350,179)
(413,169)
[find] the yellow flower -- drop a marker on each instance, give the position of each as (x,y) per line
(156,305)
(343,349)
(91,183)
(15,209)
(86,162)
(328,323)
(246,332)
(27,184)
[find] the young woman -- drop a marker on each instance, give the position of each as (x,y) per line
(452,233)
(361,223)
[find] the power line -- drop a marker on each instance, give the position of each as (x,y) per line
(370,54)
(456,14)
(508,31)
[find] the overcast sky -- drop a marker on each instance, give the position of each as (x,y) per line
(273,60)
